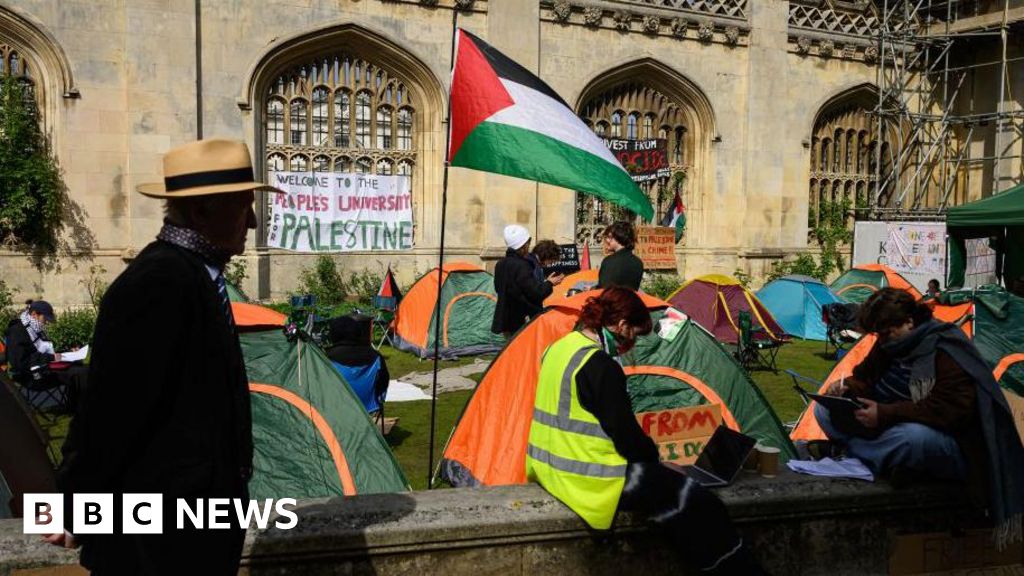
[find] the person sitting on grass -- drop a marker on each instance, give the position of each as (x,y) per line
(932,410)
(934,290)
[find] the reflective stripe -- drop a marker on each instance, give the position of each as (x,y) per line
(566,424)
(575,466)
(565,394)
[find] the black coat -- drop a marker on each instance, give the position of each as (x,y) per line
(21,353)
(623,268)
(167,411)
(520,294)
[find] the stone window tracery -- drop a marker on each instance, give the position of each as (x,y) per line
(340,113)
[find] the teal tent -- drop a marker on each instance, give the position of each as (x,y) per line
(796,302)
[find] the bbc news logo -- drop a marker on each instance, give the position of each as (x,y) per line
(144,513)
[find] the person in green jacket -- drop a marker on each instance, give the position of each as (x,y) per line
(620,266)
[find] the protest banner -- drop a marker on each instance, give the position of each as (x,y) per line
(645,159)
(656,246)
(340,212)
(568,260)
(681,433)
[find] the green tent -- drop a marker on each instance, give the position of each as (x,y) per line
(999,334)
(1000,218)
(235,293)
(312,437)
(467,309)
(689,367)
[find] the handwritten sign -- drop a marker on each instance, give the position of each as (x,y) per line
(568,260)
(681,433)
(915,248)
(340,212)
(656,246)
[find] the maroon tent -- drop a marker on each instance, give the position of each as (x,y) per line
(715,301)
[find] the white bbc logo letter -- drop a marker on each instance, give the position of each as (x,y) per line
(94,514)
(142,514)
(43,514)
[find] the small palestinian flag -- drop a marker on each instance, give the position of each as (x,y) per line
(676,217)
(585,258)
(506,120)
(389,288)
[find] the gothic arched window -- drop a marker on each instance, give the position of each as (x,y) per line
(339,113)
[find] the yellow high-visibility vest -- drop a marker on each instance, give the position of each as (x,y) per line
(568,452)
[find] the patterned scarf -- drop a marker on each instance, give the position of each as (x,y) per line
(1006,454)
(194,242)
(37,333)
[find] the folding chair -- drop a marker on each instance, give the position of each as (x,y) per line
(384,307)
(45,395)
(755,347)
(840,321)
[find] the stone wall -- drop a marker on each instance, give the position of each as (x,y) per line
(798,525)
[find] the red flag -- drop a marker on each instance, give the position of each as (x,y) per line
(585,258)
(389,287)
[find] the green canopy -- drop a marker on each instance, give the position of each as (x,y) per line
(311,435)
(1000,218)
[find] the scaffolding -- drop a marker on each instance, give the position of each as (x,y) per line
(928,117)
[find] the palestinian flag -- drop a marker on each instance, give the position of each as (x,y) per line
(506,120)
(676,217)
(389,288)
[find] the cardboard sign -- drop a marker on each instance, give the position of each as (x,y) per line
(656,246)
(973,552)
(681,433)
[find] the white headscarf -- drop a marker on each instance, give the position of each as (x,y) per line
(37,334)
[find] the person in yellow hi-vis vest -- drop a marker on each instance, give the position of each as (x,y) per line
(587,449)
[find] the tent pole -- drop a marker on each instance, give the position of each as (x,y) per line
(440,259)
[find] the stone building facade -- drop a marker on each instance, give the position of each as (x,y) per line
(763,103)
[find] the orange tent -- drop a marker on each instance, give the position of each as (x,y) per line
(584,276)
(482,442)
(859,282)
(254,316)
(467,308)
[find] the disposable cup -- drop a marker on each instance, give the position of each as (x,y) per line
(768,461)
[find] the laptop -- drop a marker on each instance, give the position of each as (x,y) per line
(721,460)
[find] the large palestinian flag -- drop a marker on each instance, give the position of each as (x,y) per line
(506,120)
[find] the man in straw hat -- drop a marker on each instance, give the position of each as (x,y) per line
(167,411)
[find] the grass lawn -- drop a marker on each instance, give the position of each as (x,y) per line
(411,436)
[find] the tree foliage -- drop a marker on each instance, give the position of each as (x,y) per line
(32,191)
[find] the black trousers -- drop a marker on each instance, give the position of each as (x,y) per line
(696,521)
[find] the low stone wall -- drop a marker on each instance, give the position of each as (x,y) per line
(797,524)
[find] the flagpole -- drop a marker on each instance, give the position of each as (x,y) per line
(440,257)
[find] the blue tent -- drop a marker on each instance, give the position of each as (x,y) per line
(795,302)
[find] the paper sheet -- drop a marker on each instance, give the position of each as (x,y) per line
(75,356)
(845,468)
(399,391)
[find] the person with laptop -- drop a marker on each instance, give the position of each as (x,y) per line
(931,409)
(587,449)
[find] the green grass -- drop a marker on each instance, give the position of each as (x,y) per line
(411,435)
(410,438)
(806,357)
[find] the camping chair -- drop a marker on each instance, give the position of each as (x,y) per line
(755,347)
(840,324)
(47,396)
(384,307)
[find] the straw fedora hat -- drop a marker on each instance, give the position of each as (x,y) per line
(206,167)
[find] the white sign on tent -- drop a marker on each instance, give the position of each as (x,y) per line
(340,212)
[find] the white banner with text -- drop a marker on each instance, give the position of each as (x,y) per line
(340,212)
